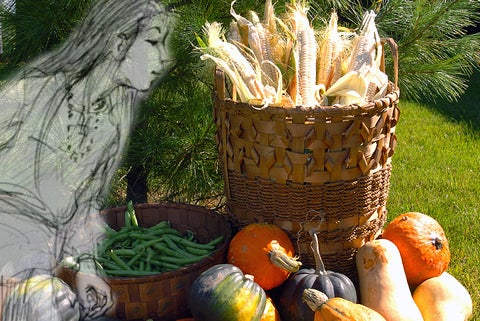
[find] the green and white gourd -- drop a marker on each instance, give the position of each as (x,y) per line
(41,298)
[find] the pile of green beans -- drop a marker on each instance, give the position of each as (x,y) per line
(138,251)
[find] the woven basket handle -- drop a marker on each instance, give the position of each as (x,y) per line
(220,83)
(394,49)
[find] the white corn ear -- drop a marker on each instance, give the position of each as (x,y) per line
(269,18)
(252,34)
(261,40)
(366,57)
(329,54)
(306,54)
(234,33)
(259,43)
(273,36)
(366,44)
(229,58)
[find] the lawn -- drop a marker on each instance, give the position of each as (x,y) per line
(437,171)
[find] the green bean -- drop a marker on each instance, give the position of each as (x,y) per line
(155,232)
(216,240)
(128,221)
(110,265)
(196,251)
(187,243)
(167,250)
(126,229)
(190,235)
(108,242)
(110,232)
(143,236)
(148,266)
(173,245)
(160,225)
(119,261)
(101,259)
(150,253)
(147,244)
(135,258)
(136,251)
(167,265)
(180,261)
(165,230)
(124,252)
(131,214)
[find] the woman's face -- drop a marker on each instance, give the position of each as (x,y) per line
(148,57)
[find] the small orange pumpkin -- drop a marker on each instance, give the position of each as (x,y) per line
(422,243)
(264,251)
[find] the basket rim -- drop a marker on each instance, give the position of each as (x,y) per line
(158,204)
(373,106)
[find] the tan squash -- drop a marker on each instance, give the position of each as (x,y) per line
(337,309)
(443,298)
(383,283)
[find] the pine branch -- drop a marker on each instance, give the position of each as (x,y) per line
(436,56)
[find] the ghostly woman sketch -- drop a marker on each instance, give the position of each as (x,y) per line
(64,121)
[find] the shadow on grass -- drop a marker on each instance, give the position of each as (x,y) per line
(467,108)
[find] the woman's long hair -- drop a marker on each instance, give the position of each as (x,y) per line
(108,30)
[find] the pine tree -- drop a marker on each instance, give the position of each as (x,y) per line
(172,153)
(29,27)
(437,53)
(436,57)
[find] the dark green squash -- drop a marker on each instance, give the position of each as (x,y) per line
(333,284)
(41,298)
(223,293)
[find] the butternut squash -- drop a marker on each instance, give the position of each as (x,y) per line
(443,298)
(337,309)
(383,283)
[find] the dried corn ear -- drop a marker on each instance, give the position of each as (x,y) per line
(330,53)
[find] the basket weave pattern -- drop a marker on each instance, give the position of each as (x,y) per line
(163,296)
(326,168)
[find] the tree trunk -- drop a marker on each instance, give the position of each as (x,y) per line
(137,187)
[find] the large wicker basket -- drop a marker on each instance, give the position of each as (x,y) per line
(163,296)
(322,168)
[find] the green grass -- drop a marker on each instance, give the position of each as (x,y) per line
(436,171)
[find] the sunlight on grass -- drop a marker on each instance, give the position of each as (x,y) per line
(436,171)
(436,165)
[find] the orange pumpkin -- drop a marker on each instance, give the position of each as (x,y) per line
(422,243)
(264,251)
